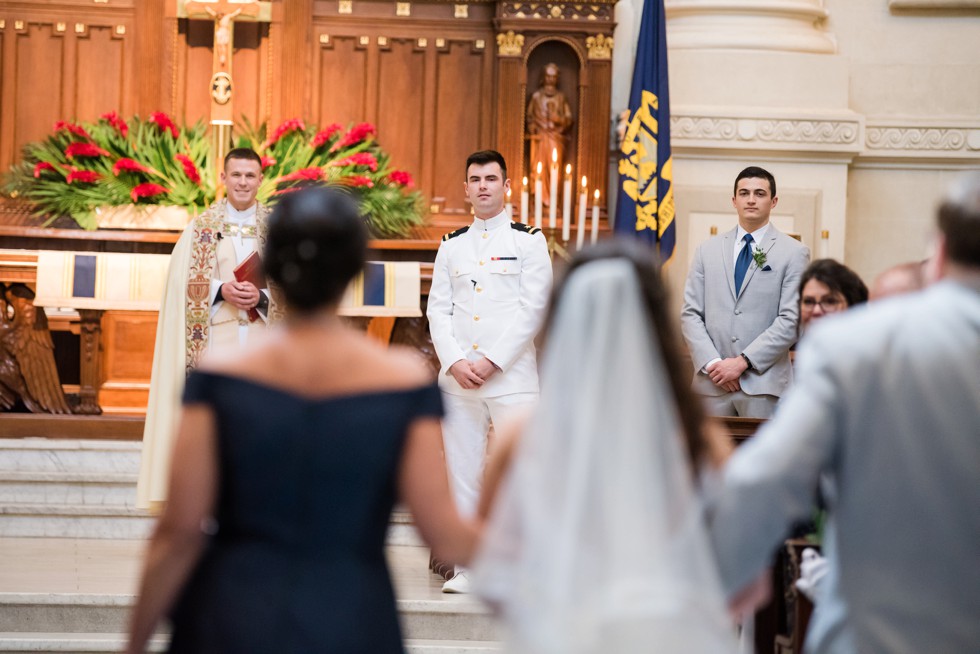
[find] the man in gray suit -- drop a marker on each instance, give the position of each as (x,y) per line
(741,305)
(885,413)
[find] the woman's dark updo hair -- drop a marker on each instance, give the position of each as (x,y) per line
(316,244)
(838,278)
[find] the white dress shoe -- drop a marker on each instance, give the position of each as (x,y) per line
(459,584)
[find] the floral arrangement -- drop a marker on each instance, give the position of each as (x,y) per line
(80,168)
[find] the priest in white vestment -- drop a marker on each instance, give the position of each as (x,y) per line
(204,308)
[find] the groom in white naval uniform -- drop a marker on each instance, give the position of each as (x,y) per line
(490,286)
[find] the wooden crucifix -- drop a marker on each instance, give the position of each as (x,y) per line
(224,13)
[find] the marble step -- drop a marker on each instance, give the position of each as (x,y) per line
(89,643)
(41,520)
(48,520)
(65,455)
(67,487)
(462,620)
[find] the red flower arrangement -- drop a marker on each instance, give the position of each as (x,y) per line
(189,168)
(147,190)
(402,178)
(303,174)
(79,149)
(291,125)
(356,180)
(268,161)
(325,135)
(356,134)
(359,159)
(115,121)
(72,128)
(129,166)
(76,175)
(41,166)
(164,122)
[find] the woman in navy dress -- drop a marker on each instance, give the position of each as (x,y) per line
(288,461)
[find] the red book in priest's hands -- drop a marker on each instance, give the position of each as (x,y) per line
(251,270)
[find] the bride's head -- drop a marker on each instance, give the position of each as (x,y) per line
(316,244)
(658,326)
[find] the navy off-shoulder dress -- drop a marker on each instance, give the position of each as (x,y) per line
(306,489)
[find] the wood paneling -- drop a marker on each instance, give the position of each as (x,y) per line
(100,88)
(460,101)
(127,360)
(341,89)
(400,100)
(38,101)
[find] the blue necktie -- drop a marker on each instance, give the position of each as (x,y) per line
(742,264)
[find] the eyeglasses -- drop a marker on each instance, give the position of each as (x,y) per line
(828,304)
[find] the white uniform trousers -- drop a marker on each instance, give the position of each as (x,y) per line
(464,436)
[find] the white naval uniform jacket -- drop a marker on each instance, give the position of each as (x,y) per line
(490,286)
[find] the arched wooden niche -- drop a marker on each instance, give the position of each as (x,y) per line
(569,65)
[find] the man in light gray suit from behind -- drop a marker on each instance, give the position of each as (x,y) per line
(885,412)
(741,306)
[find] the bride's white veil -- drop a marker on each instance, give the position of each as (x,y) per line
(596,542)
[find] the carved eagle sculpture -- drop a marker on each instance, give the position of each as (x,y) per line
(27,368)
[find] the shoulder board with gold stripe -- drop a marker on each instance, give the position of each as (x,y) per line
(461,230)
(527,229)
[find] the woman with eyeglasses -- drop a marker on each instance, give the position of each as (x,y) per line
(828,287)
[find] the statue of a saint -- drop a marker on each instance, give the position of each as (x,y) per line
(549,118)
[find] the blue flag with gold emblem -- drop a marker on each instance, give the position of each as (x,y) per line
(645,204)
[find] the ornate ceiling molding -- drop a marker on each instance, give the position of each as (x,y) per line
(896,140)
(835,135)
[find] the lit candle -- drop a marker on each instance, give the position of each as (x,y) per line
(553,190)
(566,205)
(583,199)
(510,207)
(524,202)
(595,218)
(537,198)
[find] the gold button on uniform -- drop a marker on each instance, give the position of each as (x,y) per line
(481,263)
(485,235)
(479,289)
(475,346)
(476,317)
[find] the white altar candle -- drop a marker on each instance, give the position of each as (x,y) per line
(583,199)
(510,207)
(566,205)
(595,218)
(524,202)
(538,190)
(553,188)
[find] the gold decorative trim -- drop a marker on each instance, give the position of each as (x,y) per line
(18,24)
(345,7)
(383,41)
(510,44)
(79,28)
(555,11)
(120,30)
(60,27)
(480,44)
(600,46)
(403,8)
(324,39)
(3,24)
(440,43)
(364,40)
(825,234)
(461,11)
(423,43)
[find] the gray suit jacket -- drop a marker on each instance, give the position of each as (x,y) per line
(886,411)
(761,322)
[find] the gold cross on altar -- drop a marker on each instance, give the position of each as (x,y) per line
(224,13)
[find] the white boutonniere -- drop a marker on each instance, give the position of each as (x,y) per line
(759,256)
